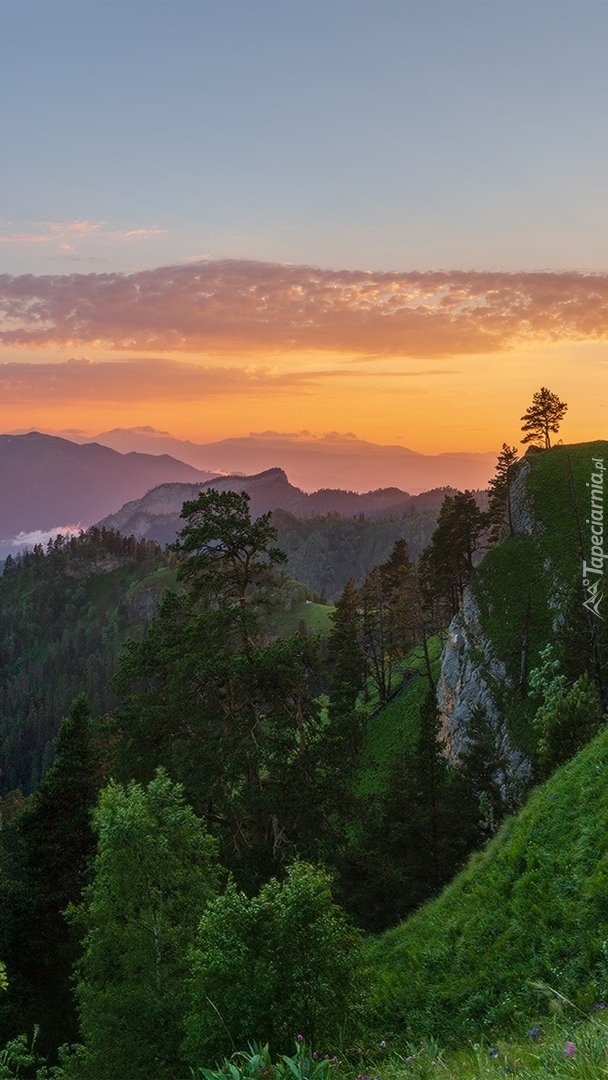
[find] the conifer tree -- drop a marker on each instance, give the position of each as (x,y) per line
(543,417)
(52,842)
(346,659)
(499,506)
(446,565)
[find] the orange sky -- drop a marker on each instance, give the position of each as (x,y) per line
(434,361)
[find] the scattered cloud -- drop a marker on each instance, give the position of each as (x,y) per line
(65,236)
(231,306)
(140,380)
(41,536)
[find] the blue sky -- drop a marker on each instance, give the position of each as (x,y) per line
(371,135)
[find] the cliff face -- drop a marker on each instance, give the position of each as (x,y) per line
(524,594)
(470,675)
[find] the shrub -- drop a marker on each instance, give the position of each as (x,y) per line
(270,966)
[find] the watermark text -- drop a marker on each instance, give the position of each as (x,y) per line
(593,568)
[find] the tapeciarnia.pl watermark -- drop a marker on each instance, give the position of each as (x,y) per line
(593,571)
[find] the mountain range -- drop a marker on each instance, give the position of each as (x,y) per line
(51,484)
(156,516)
(48,483)
(332,460)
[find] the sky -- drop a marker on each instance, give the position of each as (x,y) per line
(384,217)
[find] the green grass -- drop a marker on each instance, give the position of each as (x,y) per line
(563,1047)
(532,907)
(316,618)
(396,723)
(567,1046)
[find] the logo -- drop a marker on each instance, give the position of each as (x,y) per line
(593,570)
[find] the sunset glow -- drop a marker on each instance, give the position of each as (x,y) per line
(245,246)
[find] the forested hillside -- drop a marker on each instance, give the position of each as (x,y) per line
(251,741)
(64,615)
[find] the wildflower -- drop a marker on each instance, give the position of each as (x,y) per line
(533,1032)
(383,1043)
(411,1057)
(570,1049)
(315,1056)
(300,1038)
(493,1051)
(600,1005)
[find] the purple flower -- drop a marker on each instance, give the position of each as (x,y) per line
(383,1043)
(533,1032)
(493,1051)
(600,1005)
(570,1049)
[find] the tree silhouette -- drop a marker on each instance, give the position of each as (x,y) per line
(543,416)
(499,506)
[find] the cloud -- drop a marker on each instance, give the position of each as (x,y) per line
(41,536)
(139,381)
(65,234)
(235,306)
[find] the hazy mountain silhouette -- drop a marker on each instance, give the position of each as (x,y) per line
(156,515)
(331,461)
(47,482)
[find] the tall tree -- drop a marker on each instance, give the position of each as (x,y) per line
(234,719)
(346,661)
(543,417)
(228,556)
(155,871)
(52,843)
(389,598)
(499,507)
(446,565)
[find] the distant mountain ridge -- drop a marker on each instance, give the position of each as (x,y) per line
(333,460)
(328,536)
(47,482)
(156,515)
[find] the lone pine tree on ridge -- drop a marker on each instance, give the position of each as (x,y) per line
(543,416)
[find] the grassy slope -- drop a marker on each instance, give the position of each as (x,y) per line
(533,906)
(398,721)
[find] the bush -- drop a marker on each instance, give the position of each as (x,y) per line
(272,966)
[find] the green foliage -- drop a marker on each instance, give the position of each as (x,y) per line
(266,967)
(528,591)
(64,616)
(346,659)
(236,718)
(50,843)
(446,565)
(305,1064)
(325,550)
(16,1056)
(155,870)
(499,506)
(567,718)
(531,908)
(229,557)
(410,825)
